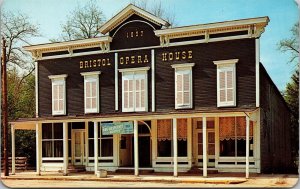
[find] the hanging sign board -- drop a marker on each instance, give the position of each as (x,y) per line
(117,128)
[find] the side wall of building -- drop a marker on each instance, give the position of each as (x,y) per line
(275,128)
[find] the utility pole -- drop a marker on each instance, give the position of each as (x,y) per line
(4,107)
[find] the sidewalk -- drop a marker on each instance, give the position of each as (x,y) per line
(126,178)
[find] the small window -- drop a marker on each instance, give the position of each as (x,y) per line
(58,94)
(226,82)
(183,85)
(134,89)
(91,92)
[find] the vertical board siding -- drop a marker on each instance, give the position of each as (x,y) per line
(204,77)
(74,84)
(274,129)
(205,74)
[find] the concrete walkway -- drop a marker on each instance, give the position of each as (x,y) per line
(159,180)
(227,179)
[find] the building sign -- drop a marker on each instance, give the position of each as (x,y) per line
(177,55)
(117,128)
(101,62)
(134,59)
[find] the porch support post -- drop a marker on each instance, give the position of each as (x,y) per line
(247,146)
(175,147)
(136,148)
(204,146)
(96,146)
(38,147)
(65,148)
(13,151)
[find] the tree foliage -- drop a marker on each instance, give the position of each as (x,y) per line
(291,93)
(17,31)
(83,22)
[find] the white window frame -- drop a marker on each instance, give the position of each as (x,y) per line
(226,65)
(183,69)
(91,77)
(58,80)
(132,72)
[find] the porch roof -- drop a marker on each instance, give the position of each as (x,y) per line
(29,123)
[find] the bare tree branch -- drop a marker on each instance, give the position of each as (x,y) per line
(82,23)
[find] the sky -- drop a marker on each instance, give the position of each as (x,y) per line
(283,14)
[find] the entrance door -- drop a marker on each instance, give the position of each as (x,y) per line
(198,149)
(78,146)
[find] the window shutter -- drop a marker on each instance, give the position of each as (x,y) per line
(229,83)
(91,92)
(94,95)
(179,87)
(222,86)
(186,89)
(137,94)
(226,91)
(130,94)
(143,94)
(126,93)
(134,91)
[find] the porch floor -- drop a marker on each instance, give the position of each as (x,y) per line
(220,178)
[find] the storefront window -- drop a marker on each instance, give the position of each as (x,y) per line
(105,144)
(52,140)
(164,138)
(182,137)
(233,136)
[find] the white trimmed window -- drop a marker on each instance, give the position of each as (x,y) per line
(91,91)
(58,94)
(226,82)
(134,89)
(183,85)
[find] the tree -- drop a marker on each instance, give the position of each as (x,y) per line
(291,94)
(17,30)
(82,23)
(157,9)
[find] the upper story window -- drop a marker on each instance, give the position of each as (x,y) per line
(183,85)
(58,94)
(134,89)
(226,82)
(91,91)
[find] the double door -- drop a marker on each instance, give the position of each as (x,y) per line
(78,147)
(198,142)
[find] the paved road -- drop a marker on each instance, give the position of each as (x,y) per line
(288,182)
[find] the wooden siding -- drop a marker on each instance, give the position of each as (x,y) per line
(204,77)
(74,83)
(274,128)
(205,73)
(122,41)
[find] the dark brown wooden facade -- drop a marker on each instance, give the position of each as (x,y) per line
(137,42)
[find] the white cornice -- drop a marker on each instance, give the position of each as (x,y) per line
(69,46)
(256,23)
(126,13)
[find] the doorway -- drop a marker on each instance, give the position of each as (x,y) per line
(144,145)
(198,141)
(78,146)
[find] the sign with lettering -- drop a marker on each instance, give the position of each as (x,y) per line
(101,62)
(117,128)
(177,55)
(134,59)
